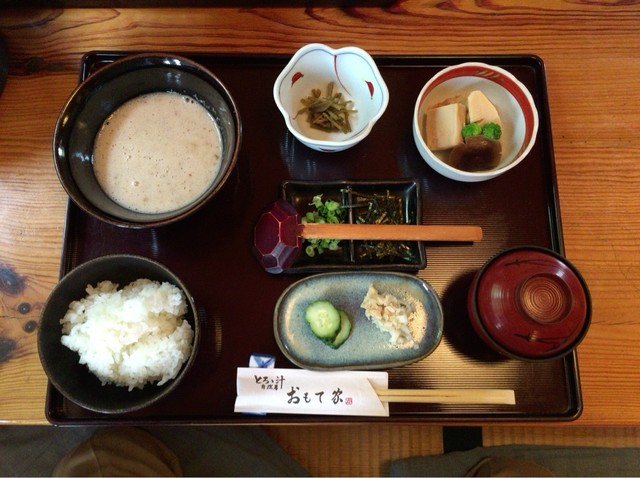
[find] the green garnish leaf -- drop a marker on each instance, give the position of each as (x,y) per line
(492,131)
(328,211)
(471,129)
(489,130)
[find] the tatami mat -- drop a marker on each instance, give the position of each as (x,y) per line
(565,436)
(361,450)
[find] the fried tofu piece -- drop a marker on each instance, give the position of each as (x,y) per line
(444,126)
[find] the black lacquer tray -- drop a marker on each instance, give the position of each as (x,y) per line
(211,252)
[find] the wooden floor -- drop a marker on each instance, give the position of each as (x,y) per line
(367,449)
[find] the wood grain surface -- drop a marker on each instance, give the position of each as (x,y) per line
(591,51)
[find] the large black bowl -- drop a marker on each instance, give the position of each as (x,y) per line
(61,364)
(97,97)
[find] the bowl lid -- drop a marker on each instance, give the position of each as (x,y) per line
(533,302)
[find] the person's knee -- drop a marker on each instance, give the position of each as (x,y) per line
(505,466)
(120,452)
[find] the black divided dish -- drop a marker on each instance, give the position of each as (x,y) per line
(350,255)
(212,252)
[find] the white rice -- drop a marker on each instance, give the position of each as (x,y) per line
(130,337)
(391,316)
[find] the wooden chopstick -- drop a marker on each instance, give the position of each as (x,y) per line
(391,232)
(452,396)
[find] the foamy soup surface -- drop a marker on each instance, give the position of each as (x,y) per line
(157,152)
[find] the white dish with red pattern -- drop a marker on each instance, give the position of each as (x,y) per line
(353,72)
(512,100)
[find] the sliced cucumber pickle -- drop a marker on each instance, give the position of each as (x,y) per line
(324,319)
(345,330)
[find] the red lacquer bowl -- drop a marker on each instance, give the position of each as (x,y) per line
(530,303)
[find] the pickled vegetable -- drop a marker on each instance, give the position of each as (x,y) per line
(329,112)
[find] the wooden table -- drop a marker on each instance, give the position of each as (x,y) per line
(593,65)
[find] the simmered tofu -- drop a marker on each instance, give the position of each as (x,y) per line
(444,126)
(481,110)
